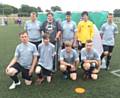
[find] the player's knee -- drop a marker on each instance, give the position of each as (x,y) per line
(28,82)
(106,53)
(95,71)
(110,54)
(62,67)
(94,76)
(11,72)
(38,70)
(86,66)
(73,76)
(49,79)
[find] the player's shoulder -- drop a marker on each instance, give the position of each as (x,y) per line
(52,45)
(63,50)
(41,44)
(74,51)
(105,24)
(37,21)
(83,50)
(115,25)
(19,45)
(81,22)
(90,22)
(31,44)
(63,22)
(73,22)
(95,51)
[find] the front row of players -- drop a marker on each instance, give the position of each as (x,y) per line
(26,58)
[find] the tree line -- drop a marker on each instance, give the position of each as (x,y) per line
(25,10)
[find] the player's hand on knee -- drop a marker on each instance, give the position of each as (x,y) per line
(30,72)
(86,66)
(62,67)
(28,82)
(7,69)
(73,76)
(106,53)
(72,66)
(38,70)
(11,71)
(94,76)
(49,78)
(95,71)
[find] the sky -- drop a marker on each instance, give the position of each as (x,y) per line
(69,5)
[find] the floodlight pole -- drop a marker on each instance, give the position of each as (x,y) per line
(3,11)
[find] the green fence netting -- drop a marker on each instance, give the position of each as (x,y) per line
(98,18)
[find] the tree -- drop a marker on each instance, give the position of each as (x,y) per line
(39,9)
(15,10)
(25,10)
(7,9)
(47,10)
(117,12)
(56,8)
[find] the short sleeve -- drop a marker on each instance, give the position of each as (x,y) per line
(39,49)
(97,56)
(74,27)
(116,29)
(76,55)
(102,29)
(53,51)
(59,27)
(35,52)
(61,55)
(83,55)
(17,53)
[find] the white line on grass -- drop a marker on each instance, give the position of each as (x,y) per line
(114,72)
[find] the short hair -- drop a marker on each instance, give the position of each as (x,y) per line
(50,13)
(110,14)
(68,13)
(68,43)
(89,41)
(23,32)
(33,13)
(84,13)
(46,36)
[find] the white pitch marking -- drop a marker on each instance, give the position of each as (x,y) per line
(114,72)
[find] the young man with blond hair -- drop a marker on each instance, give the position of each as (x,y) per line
(69,60)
